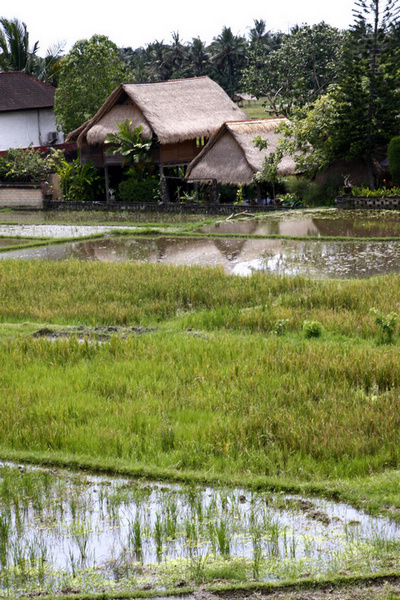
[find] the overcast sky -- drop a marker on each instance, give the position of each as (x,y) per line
(138,24)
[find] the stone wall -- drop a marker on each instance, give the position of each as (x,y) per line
(387,202)
(21,196)
(172,207)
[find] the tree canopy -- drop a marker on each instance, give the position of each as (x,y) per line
(296,72)
(88,75)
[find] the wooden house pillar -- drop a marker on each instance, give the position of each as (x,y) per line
(164,186)
(214,192)
(107,183)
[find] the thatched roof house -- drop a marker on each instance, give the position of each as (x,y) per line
(231,157)
(180,115)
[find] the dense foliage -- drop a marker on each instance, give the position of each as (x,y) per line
(359,114)
(16,54)
(394,159)
(298,71)
(22,166)
(88,75)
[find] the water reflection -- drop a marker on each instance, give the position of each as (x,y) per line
(4,241)
(238,256)
(331,223)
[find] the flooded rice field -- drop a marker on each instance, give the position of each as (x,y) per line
(315,223)
(317,259)
(59,231)
(62,531)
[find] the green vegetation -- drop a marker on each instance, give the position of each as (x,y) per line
(218,390)
(394,159)
(22,165)
(87,75)
(170,536)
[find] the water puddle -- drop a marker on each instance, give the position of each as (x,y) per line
(4,242)
(324,259)
(317,223)
(60,530)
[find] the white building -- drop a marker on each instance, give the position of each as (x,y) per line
(26,113)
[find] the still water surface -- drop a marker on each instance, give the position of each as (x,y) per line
(324,259)
(83,521)
(314,258)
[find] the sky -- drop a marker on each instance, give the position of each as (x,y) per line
(138,24)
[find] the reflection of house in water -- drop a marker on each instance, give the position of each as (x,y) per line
(302,227)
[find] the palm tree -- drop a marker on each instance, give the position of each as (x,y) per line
(47,69)
(176,55)
(198,58)
(157,56)
(262,39)
(15,54)
(229,57)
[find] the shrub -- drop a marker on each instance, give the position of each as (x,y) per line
(132,190)
(80,182)
(310,192)
(388,324)
(22,165)
(312,329)
(393,156)
(378,192)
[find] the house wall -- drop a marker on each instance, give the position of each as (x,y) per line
(25,127)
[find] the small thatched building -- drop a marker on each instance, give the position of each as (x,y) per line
(231,157)
(178,115)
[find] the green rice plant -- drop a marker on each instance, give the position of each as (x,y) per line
(197,568)
(135,539)
(257,553)
(388,324)
(223,538)
(171,518)
(5,530)
(158,536)
(280,326)
(191,533)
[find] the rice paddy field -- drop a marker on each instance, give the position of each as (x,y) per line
(165,429)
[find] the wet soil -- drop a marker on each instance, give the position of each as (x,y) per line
(382,588)
(99,333)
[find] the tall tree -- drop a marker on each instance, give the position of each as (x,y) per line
(297,72)
(157,54)
(229,54)
(367,94)
(47,69)
(262,39)
(88,74)
(15,53)
(198,61)
(176,56)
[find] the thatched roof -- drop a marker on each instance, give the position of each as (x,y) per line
(173,111)
(231,156)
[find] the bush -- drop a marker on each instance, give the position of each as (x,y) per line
(22,166)
(377,193)
(388,324)
(80,182)
(310,192)
(312,329)
(132,190)
(393,156)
